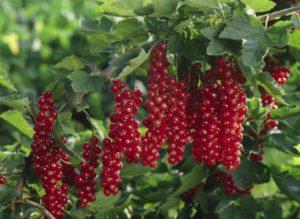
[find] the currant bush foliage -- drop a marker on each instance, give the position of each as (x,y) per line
(149,109)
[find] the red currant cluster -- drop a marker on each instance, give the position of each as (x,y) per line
(229,188)
(156,105)
(280,75)
(167,106)
(125,136)
(188,196)
(2,180)
(46,157)
(221,100)
(85,181)
(178,127)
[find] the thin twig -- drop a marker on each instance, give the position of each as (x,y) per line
(44,210)
(278,14)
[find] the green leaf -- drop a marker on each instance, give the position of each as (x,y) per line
(216,45)
(201,4)
(225,203)
(71,62)
(170,203)
(4,80)
(253,35)
(64,123)
(164,7)
(284,143)
(15,118)
(103,201)
(270,85)
(295,19)
(289,185)
(15,101)
(250,172)
(190,180)
(100,41)
(131,170)
(134,64)
(244,208)
(7,194)
(294,44)
(126,8)
(284,112)
(130,29)
(84,82)
(97,26)
(260,5)
(278,33)
(250,75)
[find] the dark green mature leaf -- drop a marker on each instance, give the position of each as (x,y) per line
(134,64)
(253,35)
(100,41)
(191,179)
(250,172)
(216,45)
(273,211)
(131,170)
(285,143)
(244,208)
(201,4)
(225,203)
(285,112)
(278,33)
(295,19)
(5,81)
(84,82)
(16,118)
(250,75)
(268,83)
(6,194)
(130,29)
(289,185)
(126,8)
(260,5)
(70,63)
(15,101)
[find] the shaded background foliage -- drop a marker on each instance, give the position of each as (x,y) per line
(72,47)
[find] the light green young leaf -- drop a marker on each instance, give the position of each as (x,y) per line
(4,80)
(260,5)
(126,8)
(84,82)
(164,7)
(201,4)
(15,101)
(71,62)
(16,118)
(134,64)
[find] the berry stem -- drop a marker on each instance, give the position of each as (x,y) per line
(44,210)
(278,14)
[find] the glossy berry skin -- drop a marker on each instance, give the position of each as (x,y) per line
(124,136)
(206,147)
(47,160)
(2,180)
(156,105)
(229,188)
(177,120)
(280,74)
(221,113)
(85,181)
